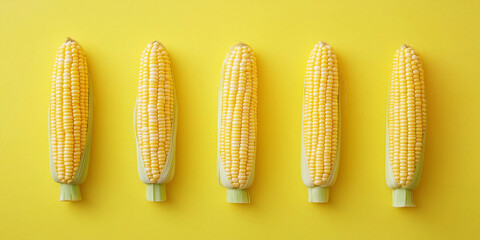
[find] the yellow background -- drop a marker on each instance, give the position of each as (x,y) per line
(198,35)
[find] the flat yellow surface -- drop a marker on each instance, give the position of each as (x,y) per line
(198,35)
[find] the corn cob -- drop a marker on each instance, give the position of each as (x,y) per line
(321,123)
(155,121)
(70,120)
(406,125)
(237,123)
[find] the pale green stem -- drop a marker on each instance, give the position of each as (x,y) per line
(403,198)
(70,192)
(236,195)
(318,194)
(156,192)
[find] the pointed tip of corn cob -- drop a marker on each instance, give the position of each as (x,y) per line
(322,43)
(69,40)
(405,44)
(157,43)
(241,44)
(72,42)
(409,47)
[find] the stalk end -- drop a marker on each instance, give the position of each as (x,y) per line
(318,194)
(402,198)
(70,192)
(156,192)
(235,195)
